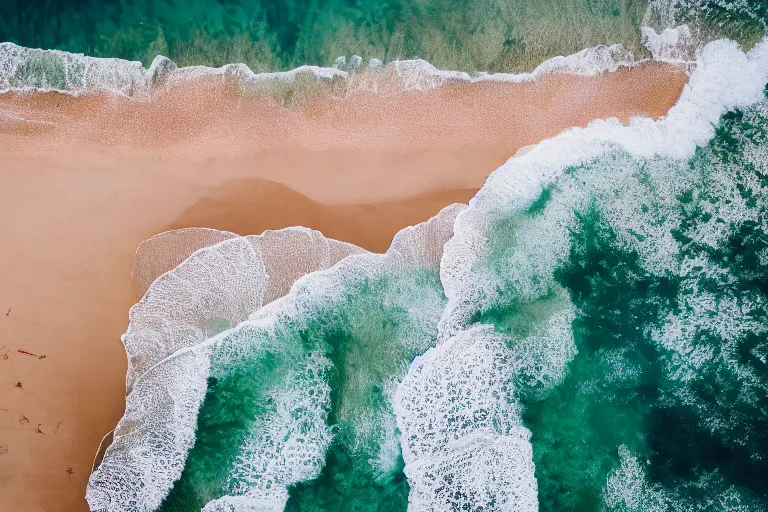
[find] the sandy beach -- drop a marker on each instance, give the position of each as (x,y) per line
(83,180)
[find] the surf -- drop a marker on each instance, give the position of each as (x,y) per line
(535,322)
(588,333)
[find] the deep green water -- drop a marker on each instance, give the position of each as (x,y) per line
(666,266)
(614,351)
(364,342)
(471,35)
(629,310)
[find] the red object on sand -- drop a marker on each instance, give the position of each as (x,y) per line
(28,353)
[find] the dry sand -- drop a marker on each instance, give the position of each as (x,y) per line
(84,180)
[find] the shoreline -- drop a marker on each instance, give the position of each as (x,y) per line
(91,177)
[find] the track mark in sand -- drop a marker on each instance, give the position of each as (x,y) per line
(3,449)
(56,430)
(30,354)
(23,420)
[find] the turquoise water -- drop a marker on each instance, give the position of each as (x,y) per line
(281,34)
(590,333)
(665,266)
(364,342)
(267,35)
(293,408)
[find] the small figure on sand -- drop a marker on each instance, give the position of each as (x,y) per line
(8,313)
(18,385)
(70,472)
(38,429)
(23,420)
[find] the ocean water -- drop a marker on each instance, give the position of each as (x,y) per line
(271,35)
(639,326)
(589,333)
(293,408)
(471,35)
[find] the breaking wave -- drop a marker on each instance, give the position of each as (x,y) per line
(588,334)
(28,69)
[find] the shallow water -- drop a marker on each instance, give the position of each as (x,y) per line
(475,35)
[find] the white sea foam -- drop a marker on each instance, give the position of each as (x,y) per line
(165,251)
(462,437)
(216,287)
(537,243)
(628,488)
(438,411)
(244,75)
(273,458)
(420,74)
(479,452)
(675,45)
(27,69)
(724,78)
(32,69)
(152,438)
(290,445)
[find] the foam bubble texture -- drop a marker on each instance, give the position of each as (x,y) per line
(675,45)
(420,75)
(54,70)
(287,443)
(437,411)
(216,287)
(458,409)
(462,438)
(725,78)
(31,69)
(152,438)
(165,251)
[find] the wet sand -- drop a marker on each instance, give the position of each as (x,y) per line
(84,180)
